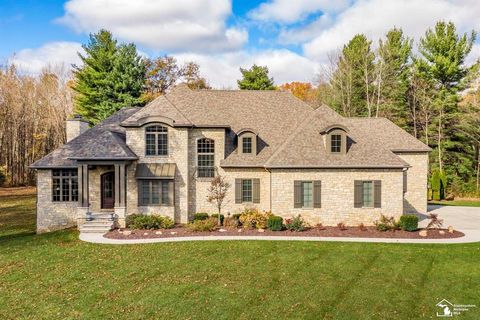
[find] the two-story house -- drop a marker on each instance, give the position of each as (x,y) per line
(278,153)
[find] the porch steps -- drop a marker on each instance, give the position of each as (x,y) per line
(97,225)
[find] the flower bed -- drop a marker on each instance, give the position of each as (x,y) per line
(356,232)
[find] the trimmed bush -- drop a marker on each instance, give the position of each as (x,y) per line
(409,222)
(222,218)
(296,224)
(209,224)
(154,221)
(275,223)
(200,216)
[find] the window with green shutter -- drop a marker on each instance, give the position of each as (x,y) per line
(247,190)
(307,194)
(367,193)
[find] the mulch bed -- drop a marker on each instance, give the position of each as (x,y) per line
(368,232)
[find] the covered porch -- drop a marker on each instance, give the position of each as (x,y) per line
(102,191)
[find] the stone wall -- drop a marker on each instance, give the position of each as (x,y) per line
(417,178)
(177,153)
(52,215)
(337,195)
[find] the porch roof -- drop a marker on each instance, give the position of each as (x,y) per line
(155,171)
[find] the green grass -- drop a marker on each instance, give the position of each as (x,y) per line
(56,276)
(462,203)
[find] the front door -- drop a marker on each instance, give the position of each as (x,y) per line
(108,190)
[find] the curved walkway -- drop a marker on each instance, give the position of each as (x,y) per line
(464,219)
(98,238)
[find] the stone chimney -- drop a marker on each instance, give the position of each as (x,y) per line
(76,126)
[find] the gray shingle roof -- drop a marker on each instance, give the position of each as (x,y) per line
(80,145)
(289,131)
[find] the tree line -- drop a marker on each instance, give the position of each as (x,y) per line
(422,88)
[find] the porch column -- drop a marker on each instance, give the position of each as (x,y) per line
(83,201)
(120,194)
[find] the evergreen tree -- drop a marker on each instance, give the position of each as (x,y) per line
(393,70)
(353,78)
(255,78)
(110,78)
(443,54)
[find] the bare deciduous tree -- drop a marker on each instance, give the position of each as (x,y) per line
(217,192)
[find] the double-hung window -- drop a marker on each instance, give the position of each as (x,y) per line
(336,143)
(206,158)
(247,144)
(64,185)
(156,141)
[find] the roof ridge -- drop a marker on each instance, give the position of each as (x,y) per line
(176,108)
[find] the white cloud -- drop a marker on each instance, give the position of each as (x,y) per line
(376,17)
(222,70)
(51,54)
(305,33)
(180,25)
(288,11)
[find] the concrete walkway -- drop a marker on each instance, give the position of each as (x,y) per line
(465,219)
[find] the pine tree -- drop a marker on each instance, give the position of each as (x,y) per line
(443,54)
(392,77)
(110,78)
(255,78)
(353,78)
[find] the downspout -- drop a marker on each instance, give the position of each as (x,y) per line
(270,175)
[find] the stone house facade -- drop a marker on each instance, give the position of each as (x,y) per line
(277,153)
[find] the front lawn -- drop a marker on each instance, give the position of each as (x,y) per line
(461,203)
(56,276)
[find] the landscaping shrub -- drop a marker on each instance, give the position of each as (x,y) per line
(253,218)
(386,223)
(409,222)
(434,223)
(200,216)
(275,223)
(154,221)
(222,218)
(362,227)
(341,226)
(296,224)
(209,224)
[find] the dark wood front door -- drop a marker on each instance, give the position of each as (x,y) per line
(108,190)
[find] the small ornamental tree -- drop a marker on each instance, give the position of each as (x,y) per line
(216,193)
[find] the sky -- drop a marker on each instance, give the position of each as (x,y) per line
(294,38)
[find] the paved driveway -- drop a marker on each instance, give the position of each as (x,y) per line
(461,218)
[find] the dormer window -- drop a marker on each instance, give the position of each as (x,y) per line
(335,139)
(156,141)
(247,144)
(336,143)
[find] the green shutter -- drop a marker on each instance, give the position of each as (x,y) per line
(297,194)
(317,194)
(238,190)
(405,181)
(377,193)
(358,194)
(256,190)
(171,192)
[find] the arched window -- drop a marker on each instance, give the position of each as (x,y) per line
(156,141)
(206,158)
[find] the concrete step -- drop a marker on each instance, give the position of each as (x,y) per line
(90,230)
(96,226)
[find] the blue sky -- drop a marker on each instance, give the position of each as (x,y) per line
(293,38)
